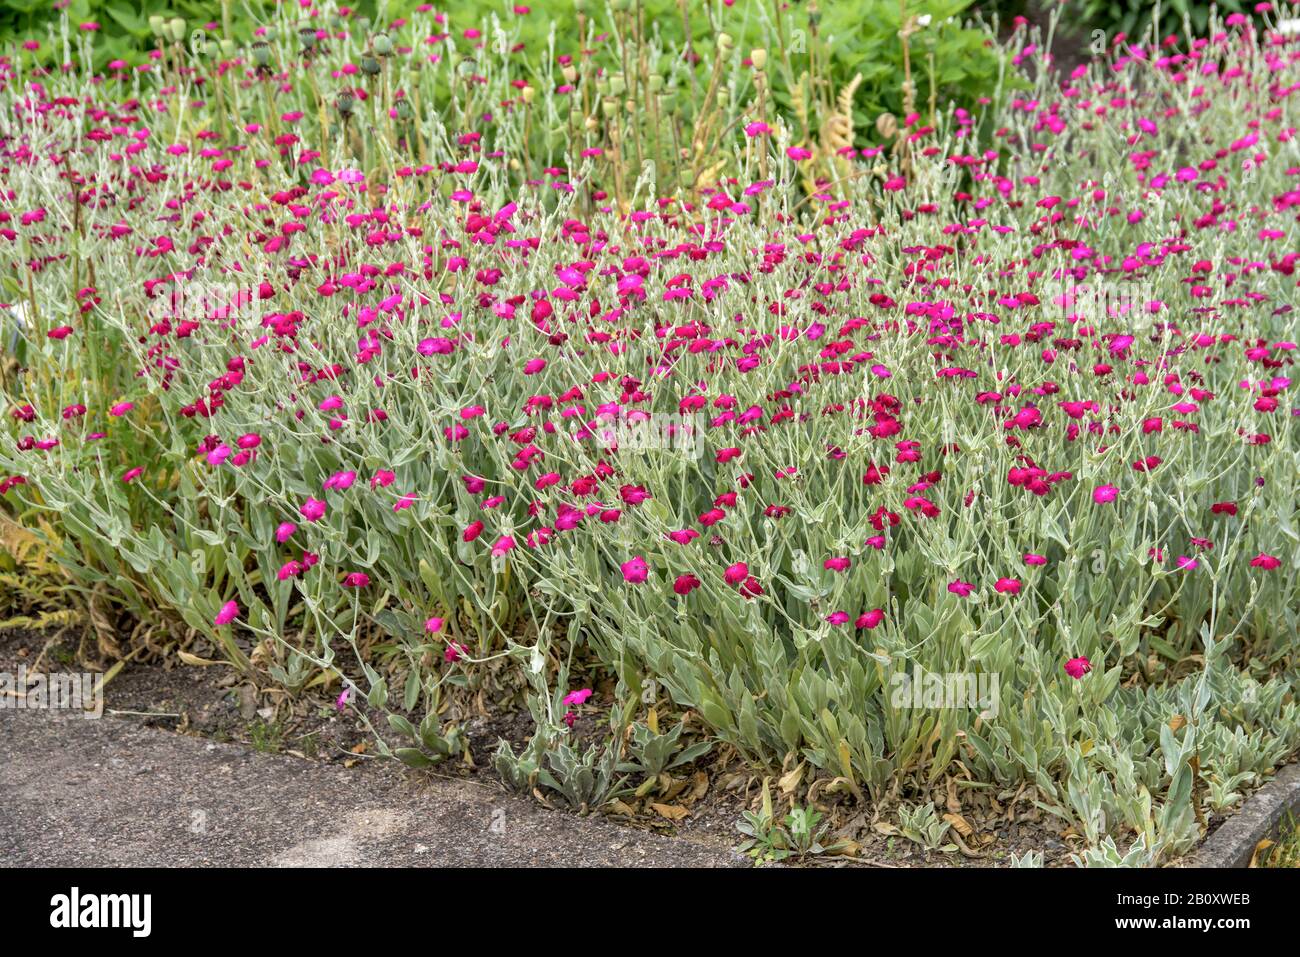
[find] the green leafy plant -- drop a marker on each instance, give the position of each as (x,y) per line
(922,825)
(653,754)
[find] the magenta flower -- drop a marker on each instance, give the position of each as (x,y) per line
(576,698)
(1078,667)
(736,573)
(1266,561)
(313,509)
(1104,493)
(356,580)
(284,531)
(960,588)
(870,619)
(635,570)
(433,625)
(1007,586)
(228,613)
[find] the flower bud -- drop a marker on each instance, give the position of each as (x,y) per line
(759,59)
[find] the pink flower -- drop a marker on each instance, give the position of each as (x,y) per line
(433,625)
(228,613)
(1104,493)
(313,509)
(1266,561)
(1007,586)
(635,570)
(1032,559)
(1078,667)
(798,153)
(342,701)
(870,619)
(838,617)
(577,698)
(341,480)
(685,584)
(736,573)
(284,531)
(836,564)
(960,588)
(356,580)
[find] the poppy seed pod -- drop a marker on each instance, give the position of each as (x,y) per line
(759,59)
(228,48)
(261,53)
(307,37)
(176,27)
(369,65)
(725,43)
(570,74)
(158,25)
(344,103)
(617,85)
(382,44)
(656,83)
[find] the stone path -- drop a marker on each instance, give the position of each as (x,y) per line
(107,792)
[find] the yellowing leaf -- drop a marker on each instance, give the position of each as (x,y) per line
(959,824)
(789,782)
(671,811)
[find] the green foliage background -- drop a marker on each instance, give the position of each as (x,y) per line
(861,37)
